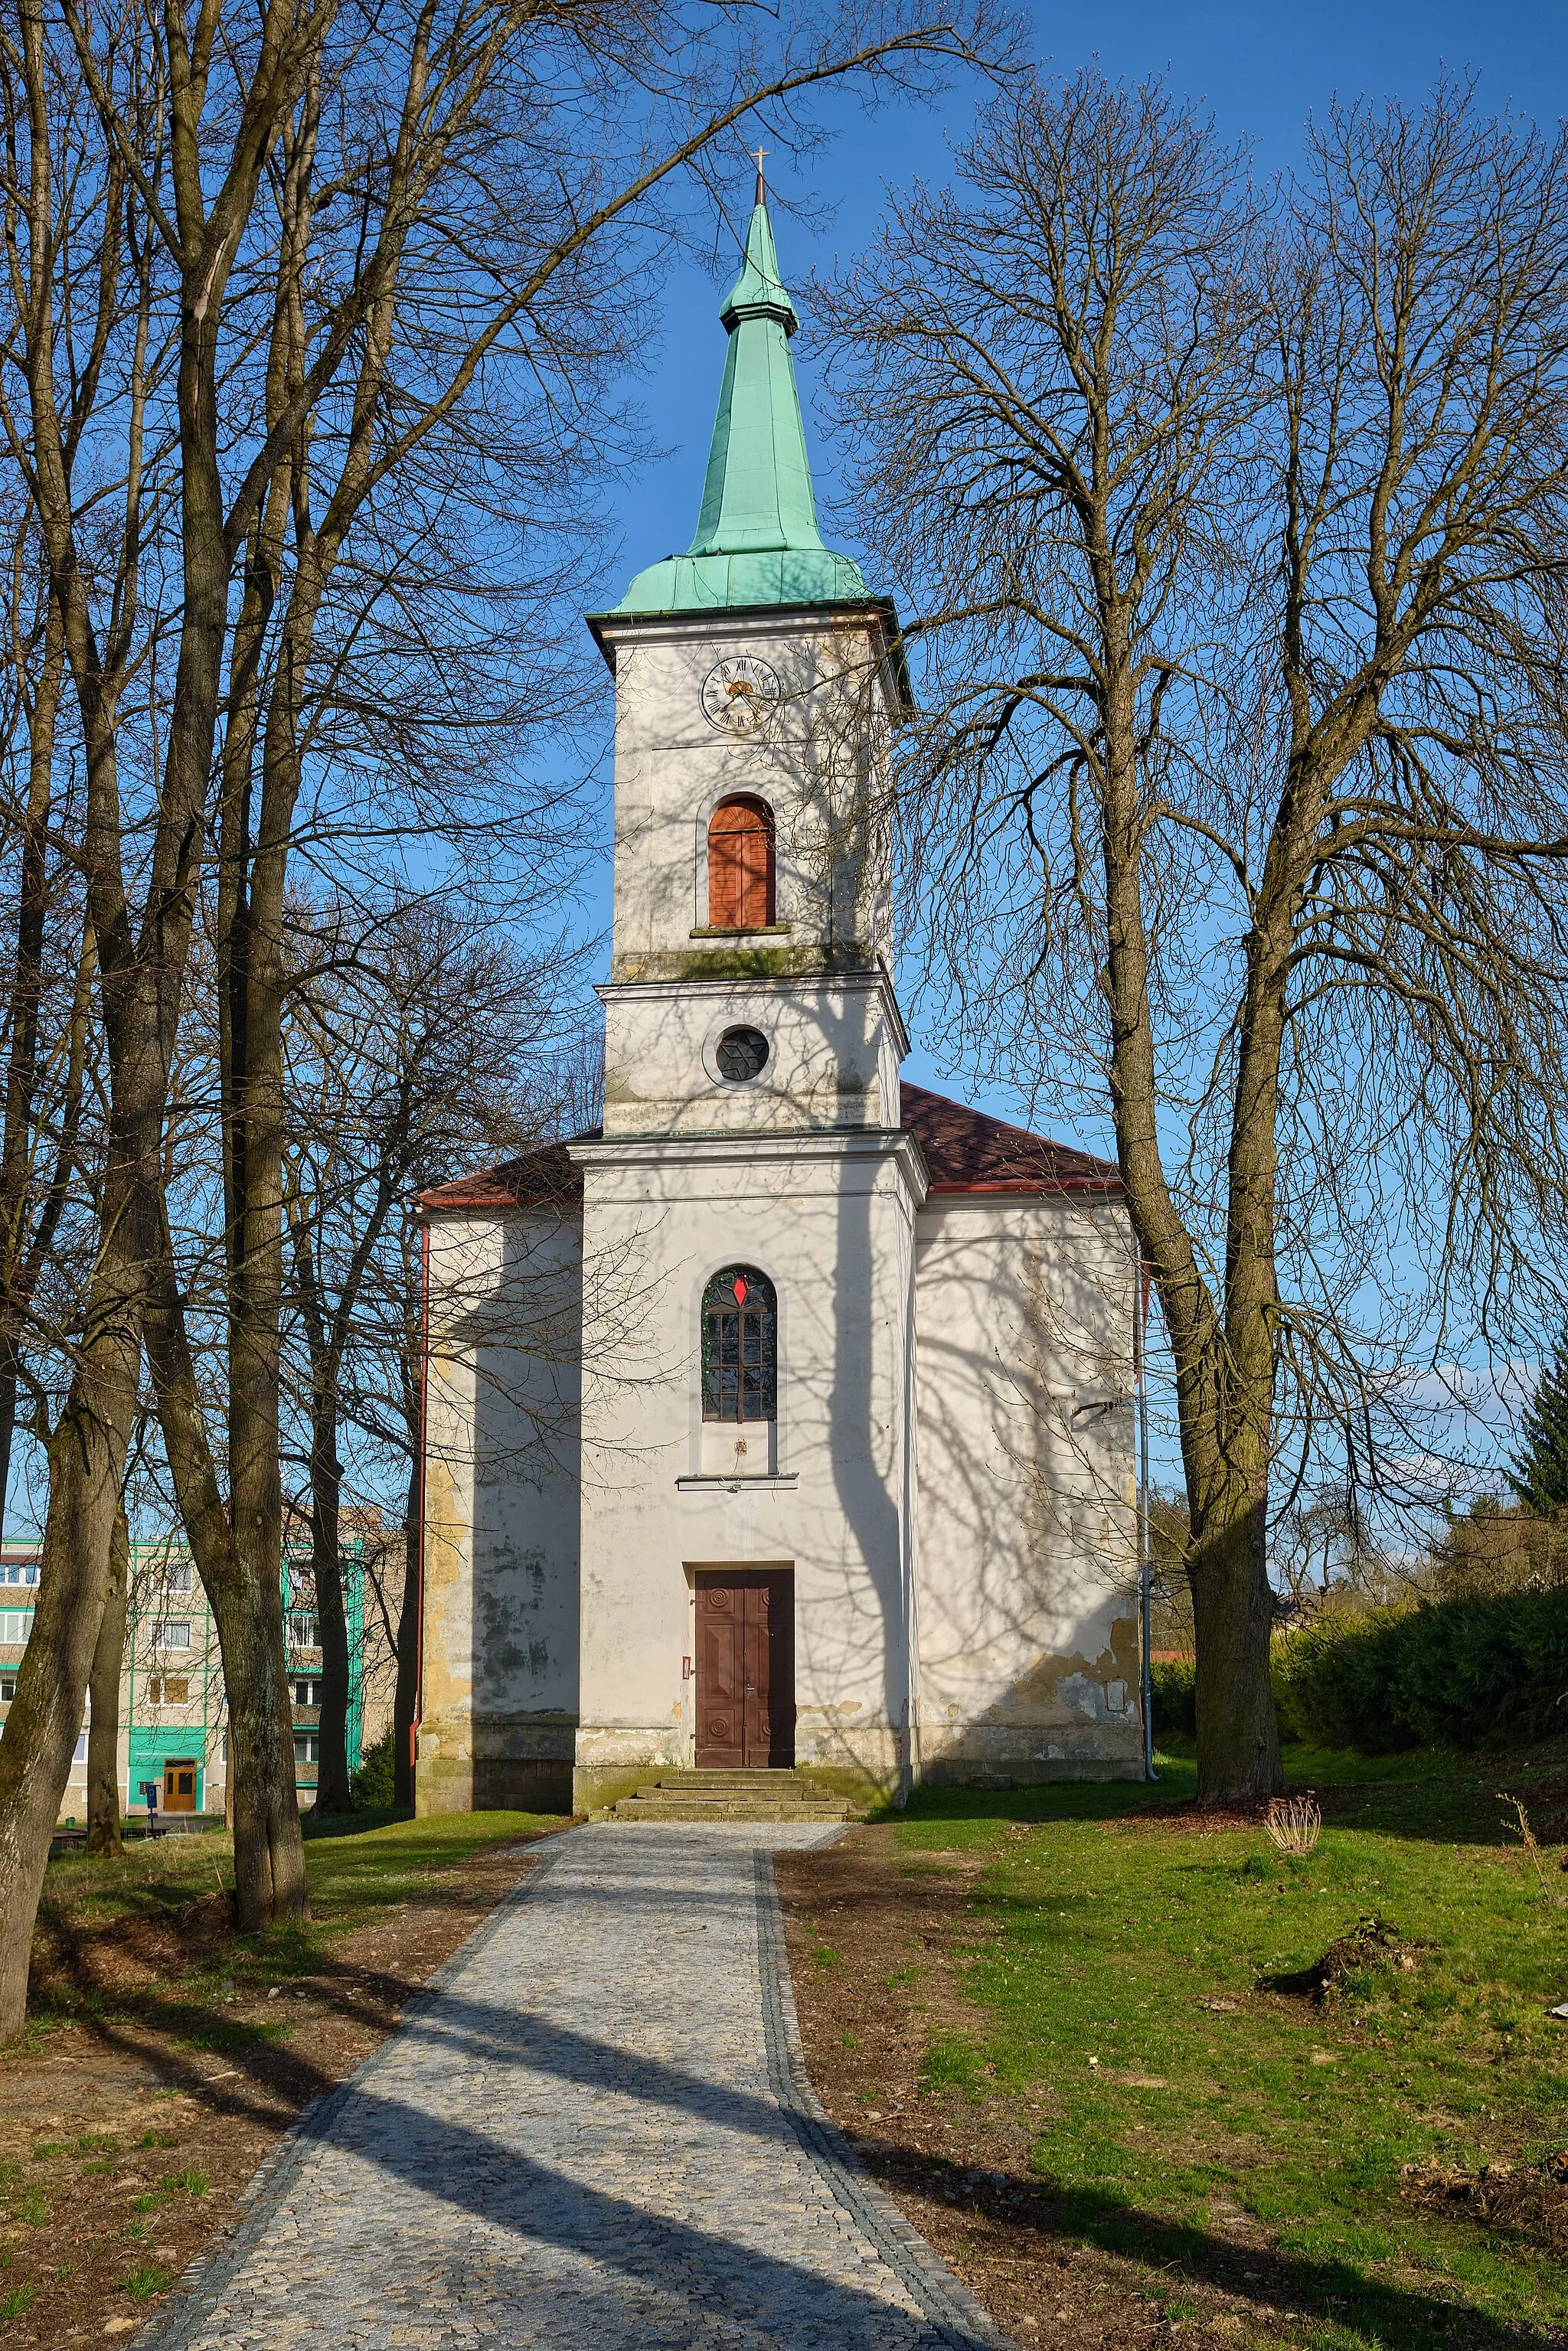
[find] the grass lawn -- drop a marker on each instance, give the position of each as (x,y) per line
(357,1866)
(1397,2147)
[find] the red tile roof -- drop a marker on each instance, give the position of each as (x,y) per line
(965,1151)
(540,1179)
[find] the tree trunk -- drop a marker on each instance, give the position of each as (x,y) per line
(103,1696)
(1233,1615)
(269,1855)
(86,1460)
(10,1372)
(247,1609)
(332,1790)
(25,992)
(405,1701)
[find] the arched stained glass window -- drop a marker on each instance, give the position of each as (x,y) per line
(740,1347)
(741,894)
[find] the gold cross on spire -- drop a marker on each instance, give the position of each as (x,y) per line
(761,189)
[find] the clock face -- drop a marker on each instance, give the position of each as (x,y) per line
(738,693)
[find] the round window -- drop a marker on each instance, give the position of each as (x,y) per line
(742,1053)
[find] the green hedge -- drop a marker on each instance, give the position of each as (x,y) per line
(1458,1673)
(1172,1684)
(374,1784)
(1452,1672)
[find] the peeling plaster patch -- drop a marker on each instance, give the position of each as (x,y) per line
(1087,1697)
(1054,1685)
(1125,1646)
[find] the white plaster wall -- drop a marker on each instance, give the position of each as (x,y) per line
(812,761)
(502,1435)
(830,1220)
(835,1050)
(1027,1557)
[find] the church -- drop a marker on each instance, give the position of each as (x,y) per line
(785,1420)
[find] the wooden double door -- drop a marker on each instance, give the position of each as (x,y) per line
(746,1668)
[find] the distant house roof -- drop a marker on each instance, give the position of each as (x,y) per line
(965,1151)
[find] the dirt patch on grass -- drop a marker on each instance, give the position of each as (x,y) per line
(128,2131)
(1190,1818)
(1372,1943)
(1531,2198)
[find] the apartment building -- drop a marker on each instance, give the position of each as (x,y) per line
(174,1721)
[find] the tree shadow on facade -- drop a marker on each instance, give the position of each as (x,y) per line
(871,1472)
(1030,1655)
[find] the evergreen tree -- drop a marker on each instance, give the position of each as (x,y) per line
(1539,1474)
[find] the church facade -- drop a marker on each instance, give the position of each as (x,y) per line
(788,1419)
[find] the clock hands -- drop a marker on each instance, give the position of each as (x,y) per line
(737,693)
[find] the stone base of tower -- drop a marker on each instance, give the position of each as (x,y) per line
(485,1763)
(613,1759)
(961,1770)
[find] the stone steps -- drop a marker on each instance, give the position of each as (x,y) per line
(736,1795)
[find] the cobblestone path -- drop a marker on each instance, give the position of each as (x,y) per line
(594,2134)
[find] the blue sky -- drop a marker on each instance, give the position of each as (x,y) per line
(1260,68)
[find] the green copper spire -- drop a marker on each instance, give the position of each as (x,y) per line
(756,538)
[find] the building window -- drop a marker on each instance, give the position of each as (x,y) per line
(7,1689)
(168,1689)
(741,890)
(174,1632)
(177,1576)
(19,1570)
(304,1632)
(308,1690)
(307,1746)
(78,1754)
(15,1627)
(740,1361)
(742,1055)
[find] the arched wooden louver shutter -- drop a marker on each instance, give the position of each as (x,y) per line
(740,895)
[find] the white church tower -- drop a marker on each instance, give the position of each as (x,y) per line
(700,1490)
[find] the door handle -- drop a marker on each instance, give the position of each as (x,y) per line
(751,1690)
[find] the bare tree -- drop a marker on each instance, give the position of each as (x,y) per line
(430,1043)
(60,335)
(351,266)
(1235,530)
